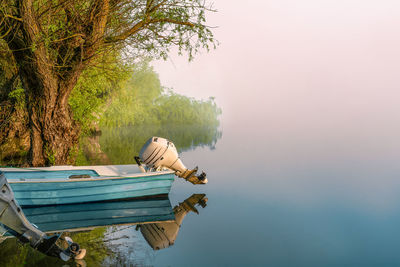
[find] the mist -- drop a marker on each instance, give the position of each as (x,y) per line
(289,65)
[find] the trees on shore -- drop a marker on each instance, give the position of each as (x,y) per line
(50,43)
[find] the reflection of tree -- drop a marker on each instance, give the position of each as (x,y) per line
(122,144)
(92,241)
(13,253)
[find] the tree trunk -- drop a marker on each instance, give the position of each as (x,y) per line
(54,133)
(49,71)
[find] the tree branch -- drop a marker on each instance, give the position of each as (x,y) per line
(12,17)
(141,25)
(136,28)
(100,22)
(172,21)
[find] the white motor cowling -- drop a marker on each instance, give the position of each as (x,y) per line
(159,153)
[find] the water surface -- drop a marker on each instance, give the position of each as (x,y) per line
(272,200)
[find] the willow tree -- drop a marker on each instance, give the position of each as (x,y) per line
(53,41)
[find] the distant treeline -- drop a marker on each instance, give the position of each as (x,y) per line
(133,95)
(127,104)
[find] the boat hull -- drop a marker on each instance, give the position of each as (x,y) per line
(90,190)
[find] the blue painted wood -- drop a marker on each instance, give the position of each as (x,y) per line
(47,174)
(98,189)
(73,216)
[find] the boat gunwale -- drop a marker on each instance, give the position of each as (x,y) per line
(98,178)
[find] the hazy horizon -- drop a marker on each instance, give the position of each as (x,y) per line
(296,64)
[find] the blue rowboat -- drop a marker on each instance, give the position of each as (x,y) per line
(69,184)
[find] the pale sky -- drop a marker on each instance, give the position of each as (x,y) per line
(289,63)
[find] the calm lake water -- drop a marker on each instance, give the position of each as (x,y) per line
(274,199)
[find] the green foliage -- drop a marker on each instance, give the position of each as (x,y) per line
(14,253)
(132,105)
(50,155)
(18,97)
(166,23)
(143,101)
(94,243)
(81,158)
(142,108)
(178,109)
(93,90)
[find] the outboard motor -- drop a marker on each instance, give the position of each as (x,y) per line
(159,153)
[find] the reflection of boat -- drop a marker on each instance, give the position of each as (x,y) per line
(157,221)
(68,184)
(81,217)
(161,235)
(78,217)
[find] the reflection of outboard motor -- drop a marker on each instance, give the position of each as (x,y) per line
(159,153)
(162,235)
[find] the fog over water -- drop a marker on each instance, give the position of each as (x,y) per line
(307,171)
(288,64)
(309,85)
